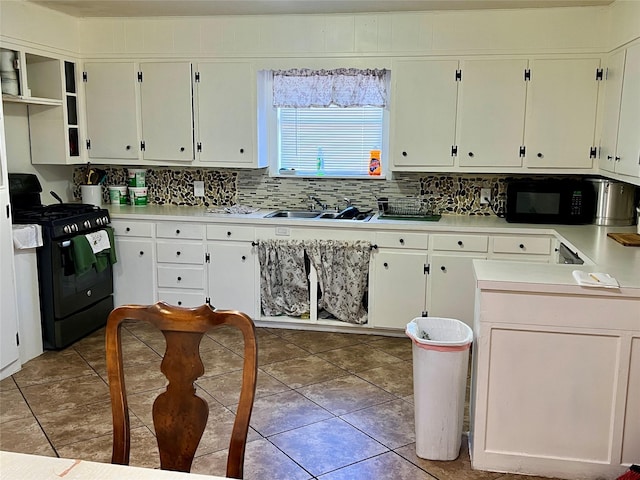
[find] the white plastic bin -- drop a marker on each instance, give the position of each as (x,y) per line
(440,365)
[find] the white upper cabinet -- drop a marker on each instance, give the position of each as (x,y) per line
(112,127)
(612,96)
(48,87)
(423,113)
(561,113)
(620,139)
(166,111)
(491,106)
(629,128)
(226,112)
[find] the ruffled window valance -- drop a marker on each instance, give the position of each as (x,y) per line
(343,87)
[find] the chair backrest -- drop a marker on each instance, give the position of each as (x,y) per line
(179,415)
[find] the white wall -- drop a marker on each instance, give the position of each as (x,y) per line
(42,29)
(624,22)
(558,30)
(39,27)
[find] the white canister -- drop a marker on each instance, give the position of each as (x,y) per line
(118,195)
(10,86)
(91,194)
(7,57)
(137,177)
(138,196)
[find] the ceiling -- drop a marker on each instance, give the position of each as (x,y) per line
(155,8)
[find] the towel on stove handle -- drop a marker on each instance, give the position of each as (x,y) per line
(98,240)
(84,258)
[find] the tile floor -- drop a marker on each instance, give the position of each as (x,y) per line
(328,406)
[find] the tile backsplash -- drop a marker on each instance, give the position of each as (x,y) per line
(452,194)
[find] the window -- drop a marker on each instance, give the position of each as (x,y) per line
(325,122)
(330,141)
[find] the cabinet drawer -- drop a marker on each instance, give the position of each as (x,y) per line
(182,298)
(402,240)
(230,232)
(180,277)
(180,230)
(521,244)
(460,243)
(131,229)
(180,252)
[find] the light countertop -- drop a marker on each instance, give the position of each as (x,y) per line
(601,254)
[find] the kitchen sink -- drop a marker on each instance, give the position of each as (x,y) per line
(306,214)
(360,217)
(292,214)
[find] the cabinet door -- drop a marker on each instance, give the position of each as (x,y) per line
(226,111)
(423,113)
(133,274)
(452,287)
(233,276)
(8,313)
(167,113)
(610,116)
(491,105)
(561,112)
(398,289)
(628,150)
(112,127)
(631,436)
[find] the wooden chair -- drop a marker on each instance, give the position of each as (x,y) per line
(179,415)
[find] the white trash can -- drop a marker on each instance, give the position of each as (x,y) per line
(440,365)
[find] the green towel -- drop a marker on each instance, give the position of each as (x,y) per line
(84,258)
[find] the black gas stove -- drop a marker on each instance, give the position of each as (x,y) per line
(71,304)
(63,219)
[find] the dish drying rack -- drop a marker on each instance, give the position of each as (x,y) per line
(408,209)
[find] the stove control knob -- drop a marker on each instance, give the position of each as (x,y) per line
(89,293)
(105,219)
(75,227)
(87,224)
(99,221)
(66,229)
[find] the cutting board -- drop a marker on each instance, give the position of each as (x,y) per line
(626,239)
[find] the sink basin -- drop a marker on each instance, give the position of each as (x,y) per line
(360,217)
(305,214)
(292,214)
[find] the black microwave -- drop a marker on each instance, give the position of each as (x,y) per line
(567,202)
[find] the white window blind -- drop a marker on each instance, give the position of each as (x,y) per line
(345,135)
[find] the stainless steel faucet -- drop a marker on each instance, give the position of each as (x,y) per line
(323,206)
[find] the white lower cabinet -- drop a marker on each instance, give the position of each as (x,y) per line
(232,269)
(398,289)
(134,272)
(563,367)
(452,286)
(191,263)
(526,248)
(181,272)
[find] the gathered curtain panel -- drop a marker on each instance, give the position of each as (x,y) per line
(342,267)
(283,280)
(342,87)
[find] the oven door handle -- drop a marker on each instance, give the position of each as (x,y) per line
(64,244)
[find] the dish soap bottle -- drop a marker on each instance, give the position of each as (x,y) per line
(320,162)
(375,168)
